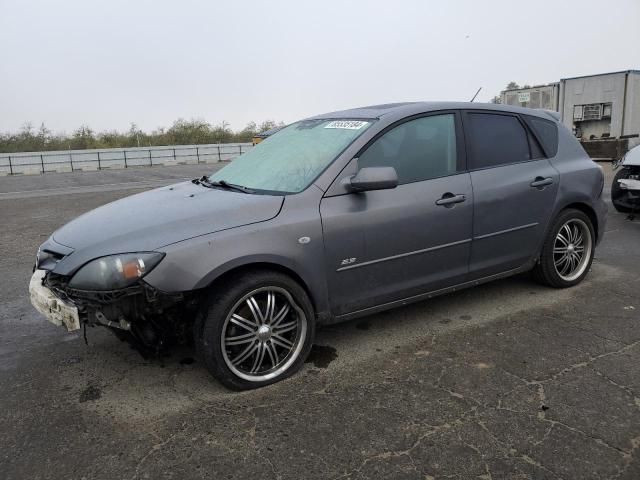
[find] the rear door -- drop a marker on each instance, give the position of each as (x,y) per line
(387,245)
(514,187)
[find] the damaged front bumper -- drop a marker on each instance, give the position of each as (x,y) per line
(630,184)
(56,310)
(145,317)
(629,193)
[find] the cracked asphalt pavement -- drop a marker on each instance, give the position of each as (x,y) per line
(509,380)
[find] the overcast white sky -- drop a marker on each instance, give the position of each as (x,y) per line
(113,62)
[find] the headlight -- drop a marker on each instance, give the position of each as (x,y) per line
(115,271)
(45,260)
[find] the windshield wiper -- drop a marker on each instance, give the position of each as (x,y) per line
(230,186)
(205,182)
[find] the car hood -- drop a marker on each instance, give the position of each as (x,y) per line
(156,218)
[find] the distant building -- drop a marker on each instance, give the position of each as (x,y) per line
(603,110)
(602,106)
(540,96)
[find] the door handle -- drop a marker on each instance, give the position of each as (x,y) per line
(449,200)
(541,182)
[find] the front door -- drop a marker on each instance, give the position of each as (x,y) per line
(386,245)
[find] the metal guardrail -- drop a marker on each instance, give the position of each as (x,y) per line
(72,160)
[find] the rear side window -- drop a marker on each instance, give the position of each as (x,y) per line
(547,132)
(419,149)
(496,139)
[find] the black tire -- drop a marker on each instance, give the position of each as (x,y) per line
(617,192)
(214,325)
(546,271)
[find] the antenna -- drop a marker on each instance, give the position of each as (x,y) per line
(474,97)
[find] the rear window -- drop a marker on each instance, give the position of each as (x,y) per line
(547,132)
(496,139)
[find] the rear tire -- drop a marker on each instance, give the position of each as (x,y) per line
(617,192)
(257,330)
(567,252)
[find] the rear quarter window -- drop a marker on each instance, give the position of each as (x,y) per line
(547,133)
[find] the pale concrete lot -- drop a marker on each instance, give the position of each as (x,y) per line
(509,380)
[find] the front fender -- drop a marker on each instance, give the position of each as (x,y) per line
(263,260)
(195,263)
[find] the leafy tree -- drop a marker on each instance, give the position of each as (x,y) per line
(27,130)
(42,138)
(83,138)
(267,125)
(181,132)
(134,135)
(249,131)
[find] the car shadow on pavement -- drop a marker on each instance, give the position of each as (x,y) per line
(112,376)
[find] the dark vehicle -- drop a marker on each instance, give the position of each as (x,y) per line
(330,218)
(625,189)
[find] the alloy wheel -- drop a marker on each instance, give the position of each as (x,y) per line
(263,334)
(572,249)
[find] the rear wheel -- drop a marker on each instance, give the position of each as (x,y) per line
(258,330)
(617,193)
(568,250)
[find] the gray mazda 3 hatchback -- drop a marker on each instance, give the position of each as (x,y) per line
(333,217)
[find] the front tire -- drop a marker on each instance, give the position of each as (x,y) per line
(257,330)
(568,250)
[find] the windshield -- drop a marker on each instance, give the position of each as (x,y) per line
(292,158)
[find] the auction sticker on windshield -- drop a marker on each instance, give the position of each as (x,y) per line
(348,124)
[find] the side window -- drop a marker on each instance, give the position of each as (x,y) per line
(418,149)
(495,139)
(547,132)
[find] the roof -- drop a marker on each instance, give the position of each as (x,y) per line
(371,111)
(601,74)
(411,108)
(534,87)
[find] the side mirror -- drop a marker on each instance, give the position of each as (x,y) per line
(372,178)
